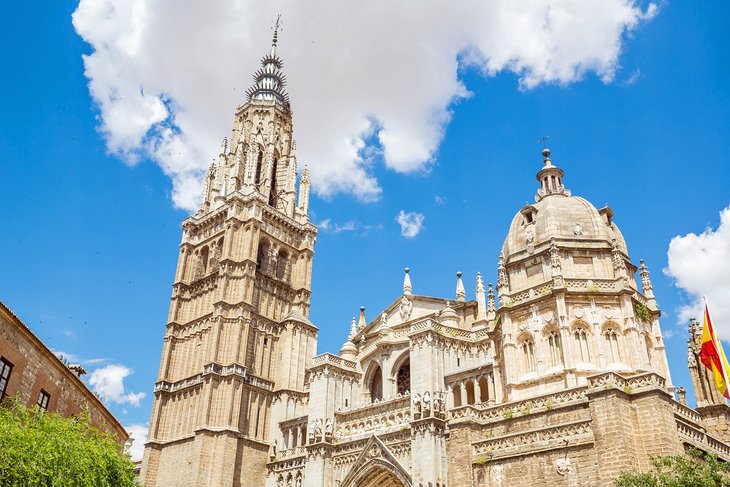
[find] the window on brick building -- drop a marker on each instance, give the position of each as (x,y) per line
(43,399)
(5,369)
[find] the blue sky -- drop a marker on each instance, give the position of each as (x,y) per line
(90,241)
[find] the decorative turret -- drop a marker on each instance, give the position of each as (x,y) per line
(550,177)
(491,305)
(448,316)
(460,291)
(646,285)
(361,324)
(349,350)
(407,287)
(481,299)
(304,192)
(502,282)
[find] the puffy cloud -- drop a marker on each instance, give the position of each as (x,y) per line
(108,382)
(138,432)
(700,266)
(411,223)
(166,75)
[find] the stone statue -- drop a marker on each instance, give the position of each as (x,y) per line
(328,428)
(272,450)
(682,396)
(310,433)
(384,320)
(426,403)
(437,403)
(417,403)
(318,428)
(299,481)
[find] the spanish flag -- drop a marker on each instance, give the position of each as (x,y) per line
(713,357)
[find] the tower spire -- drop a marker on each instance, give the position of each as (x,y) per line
(269,81)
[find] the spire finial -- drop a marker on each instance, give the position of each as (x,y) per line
(481,300)
(460,291)
(277,26)
(361,324)
(407,287)
(353,329)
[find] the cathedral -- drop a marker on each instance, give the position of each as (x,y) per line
(558,375)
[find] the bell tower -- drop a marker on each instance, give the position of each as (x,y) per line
(237,332)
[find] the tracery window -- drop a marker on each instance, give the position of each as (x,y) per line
(259,162)
(581,342)
(528,354)
(403,378)
(612,345)
(556,355)
(376,385)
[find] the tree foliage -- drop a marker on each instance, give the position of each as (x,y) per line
(44,449)
(692,469)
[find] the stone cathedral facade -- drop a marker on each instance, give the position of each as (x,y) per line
(558,376)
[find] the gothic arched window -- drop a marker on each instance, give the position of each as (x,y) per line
(403,378)
(262,258)
(581,344)
(259,163)
(272,192)
(376,385)
(612,345)
(556,353)
(528,354)
(281,265)
(204,261)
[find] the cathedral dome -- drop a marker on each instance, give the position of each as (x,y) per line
(556,214)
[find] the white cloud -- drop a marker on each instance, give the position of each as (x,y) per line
(377,71)
(700,265)
(327,225)
(411,223)
(108,382)
(72,358)
(138,432)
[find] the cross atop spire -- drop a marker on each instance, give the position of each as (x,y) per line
(275,38)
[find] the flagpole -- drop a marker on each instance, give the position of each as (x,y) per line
(718,346)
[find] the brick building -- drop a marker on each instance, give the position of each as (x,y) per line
(559,377)
(32,372)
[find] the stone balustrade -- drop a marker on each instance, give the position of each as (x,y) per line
(329,358)
(384,415)
(696,437)
(573,433)
(686,413)
(490,414)
(165,386)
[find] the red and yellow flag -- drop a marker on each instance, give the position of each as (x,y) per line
(713,357)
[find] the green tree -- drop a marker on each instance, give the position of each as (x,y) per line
(44,449)
(692,469)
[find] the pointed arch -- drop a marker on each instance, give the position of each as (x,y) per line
(376,467)
(274,188)
(259,163)
(374,382)
(581,334)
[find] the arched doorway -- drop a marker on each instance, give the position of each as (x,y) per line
(380,478)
